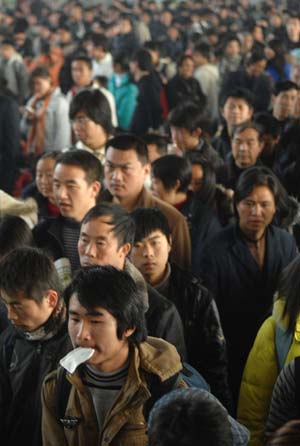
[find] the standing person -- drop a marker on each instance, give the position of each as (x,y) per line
(110,395)
(33,343)
(45,122)
(123,89)
(13,70)
(41,190)
(9,142)
(206,347)
(126,169)
(76,184)
(254,252)
(148,111)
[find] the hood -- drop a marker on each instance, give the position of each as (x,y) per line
(277,313)
(139,281)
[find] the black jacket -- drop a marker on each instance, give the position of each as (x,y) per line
(243,292)
(204,337)
(180,89)
(32,191)
(23,366)
(163,321)
(229,173)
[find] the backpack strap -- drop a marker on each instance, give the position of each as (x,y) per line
(62,393)
(283,341)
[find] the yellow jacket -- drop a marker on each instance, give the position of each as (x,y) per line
(124,424)
(260,374)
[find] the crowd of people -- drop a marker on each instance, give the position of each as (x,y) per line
(150,223)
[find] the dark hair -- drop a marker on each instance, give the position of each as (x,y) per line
(9,41)
(14,233)
(278,62)
(40,71)
(186,417)
(81,58)
(207,192)
(53,154)
(284,86)
(144,60)
(129,141)
(288,289)
(238,93)
(95,105)
(170,168)
(121,58)
(100,40)
(255,57)
(160,141)
(85,160)
(204,49)
(245,126)
(115,291)
(123,226)
(269,124)
(254,177)
(183,58)
(188,116)
(148,220)
(29,270)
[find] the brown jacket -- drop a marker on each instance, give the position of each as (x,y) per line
(124,424)
(181,241)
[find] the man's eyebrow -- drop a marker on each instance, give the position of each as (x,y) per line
(89,313)
(98,237)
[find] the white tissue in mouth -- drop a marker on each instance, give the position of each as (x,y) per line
(76,357)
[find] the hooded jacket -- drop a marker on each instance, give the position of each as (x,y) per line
(125,423)
(258,381)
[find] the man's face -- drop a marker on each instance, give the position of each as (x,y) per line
(81,73)
(186,69)
(293,29)
(41,86)
(88,132)
(284,104)
(27,314)
(150,256)
(124,173)
(98,245)
(97,328)
(257,210)
(73,194)
(184,139)
(257,68)
(7,51)
(246,148)
(236,111)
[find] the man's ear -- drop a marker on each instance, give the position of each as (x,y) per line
(52,298)
(96,186)
(125,249)
(128,332)
(147,169)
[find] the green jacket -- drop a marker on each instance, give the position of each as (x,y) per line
(125,424)
(260,374)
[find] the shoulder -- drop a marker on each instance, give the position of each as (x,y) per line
(221,241)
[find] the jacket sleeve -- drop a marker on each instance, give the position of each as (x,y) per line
(283,407)
(258,380)
(52,430)
(181,244)
(210,356)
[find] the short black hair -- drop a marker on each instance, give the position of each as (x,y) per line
(254,177)
(29,270)
(95,105)
(100,40)
(82,58)
(85,160)
(123,226)
(188,116)
(170,168)
(255,57)
(186,417)
(248,125)
(40,71)
(284,86)
(203,48)
(269,124)
(238,93)
(121,58)
(160,141)
(53,154)
(115,291)
(14,233)
(143,58)
(129,141)
(148,220)
(183,58)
